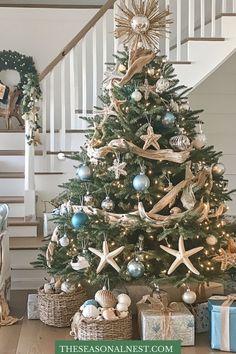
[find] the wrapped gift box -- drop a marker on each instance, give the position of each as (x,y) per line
(33,307)
(175,324)
(48,224)
(5,270)
(201,314)
(223,322)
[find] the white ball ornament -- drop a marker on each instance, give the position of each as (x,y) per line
(90,311)
(136,95)
(211,240)
(61,156)
(199,141)
(124,299)
(64,241)
(189,297)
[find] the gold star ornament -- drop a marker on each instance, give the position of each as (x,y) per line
(226,258)
(182,256)
(141,22)
(107,257)
(150,139)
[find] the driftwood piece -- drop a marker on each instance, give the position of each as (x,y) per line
(12,109)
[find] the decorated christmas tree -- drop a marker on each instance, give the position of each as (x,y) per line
(149,196)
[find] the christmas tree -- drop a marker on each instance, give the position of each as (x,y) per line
(148,199)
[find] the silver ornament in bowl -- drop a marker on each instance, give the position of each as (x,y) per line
(162,85)
(179,142)
(107,204)
(218,169)
(140,24)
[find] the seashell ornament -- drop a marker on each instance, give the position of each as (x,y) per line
(124,299)
(123,314)
(109,315)
(105,298)
(90,311)
(68,287)
(48,288)
(121,307)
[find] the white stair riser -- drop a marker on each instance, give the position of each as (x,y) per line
(20,259)
(12,163)
(12,141)
(27,278)
(11,186)
(22,231)
(16,210)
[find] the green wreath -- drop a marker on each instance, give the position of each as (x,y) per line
(23,64)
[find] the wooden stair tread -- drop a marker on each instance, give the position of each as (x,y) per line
(11,199)
(18,152)
(25,243)
(20,221)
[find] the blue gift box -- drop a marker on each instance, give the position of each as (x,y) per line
(223,322)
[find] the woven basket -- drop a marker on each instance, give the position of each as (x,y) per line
(107,330)
(58,309)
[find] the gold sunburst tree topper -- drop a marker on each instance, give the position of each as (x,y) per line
(141,23)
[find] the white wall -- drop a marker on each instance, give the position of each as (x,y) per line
(217,96)
(41,33)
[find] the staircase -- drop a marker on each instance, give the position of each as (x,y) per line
(202,37)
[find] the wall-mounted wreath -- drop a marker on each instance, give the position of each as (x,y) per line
(21,99)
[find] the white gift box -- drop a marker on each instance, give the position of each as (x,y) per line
(33,307)
(48,224)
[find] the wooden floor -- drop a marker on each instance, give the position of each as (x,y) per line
(33,337)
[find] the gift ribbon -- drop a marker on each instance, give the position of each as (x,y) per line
(166,311)
(225,313)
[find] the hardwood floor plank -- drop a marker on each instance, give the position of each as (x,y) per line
(9,337)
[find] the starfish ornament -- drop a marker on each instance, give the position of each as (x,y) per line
(107,257)
(118,168)
(150,139)
(147,89)
(182,256)
(227,259)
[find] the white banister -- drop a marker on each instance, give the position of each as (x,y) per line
(52,112)
(178,30)
(234,6)
(191,18)
(104,41)
(84,81)
(72,88)
(63,108)
(29,197)
(95,63)
(223,6)
(202,10)
(167,39)
(44,116)
(213,18)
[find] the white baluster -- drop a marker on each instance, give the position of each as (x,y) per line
(63,108)
(29,197)
(72,88)
(234,6)
(52,119)
(191,18)
(104,41)
(167,39)
(115,12)
(202,18)
(223,6)
(213,18)
(44,116)
(84,82)
(95,63)
(178,27)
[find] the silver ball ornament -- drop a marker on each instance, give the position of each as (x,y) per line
(136,95)
(107,204)
(162,85)
(88,199)
(84,173)
(218,169)
(189,297)
(140,24)
(135,269)
(64,241)
(211,240)
(184,106)
(179,142)
(168,119)
(199,141)
(141,182)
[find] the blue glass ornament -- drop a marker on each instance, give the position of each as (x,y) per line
(135,268)
(79,219)
(168,119)
(141,182)
(84,173)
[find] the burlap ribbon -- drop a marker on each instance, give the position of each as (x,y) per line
(165,309)
(225,317)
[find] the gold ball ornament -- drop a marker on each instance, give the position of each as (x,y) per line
(140,24)
(151,71)
(211,240)
(218,169)
(121,68)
